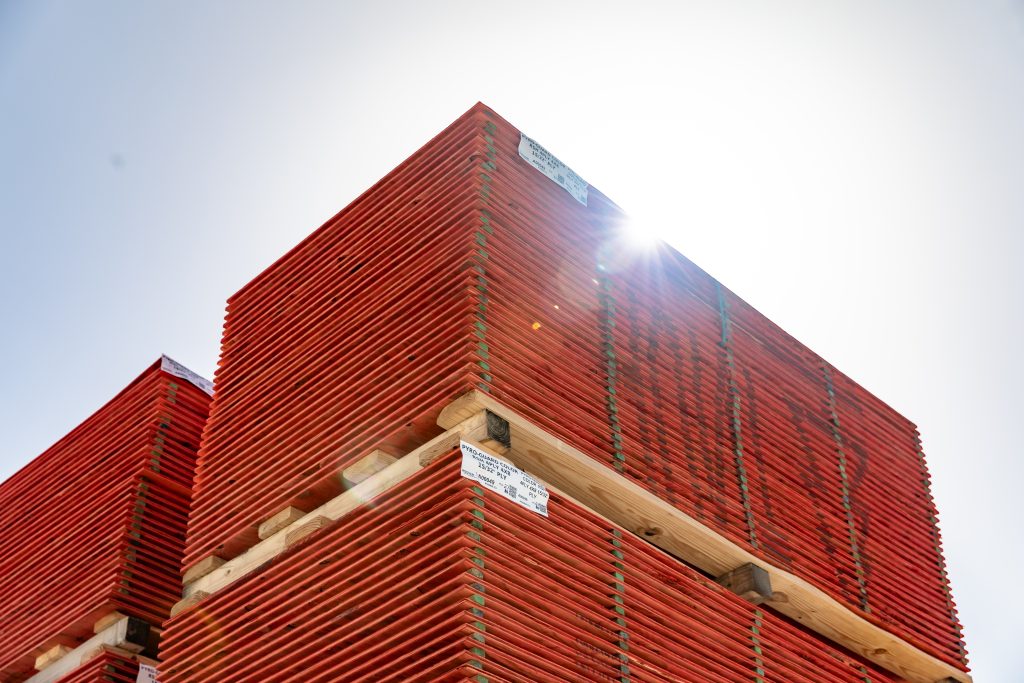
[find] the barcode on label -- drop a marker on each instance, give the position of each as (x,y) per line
(505,479)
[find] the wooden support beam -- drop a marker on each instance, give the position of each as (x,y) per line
(103,623)
(498,429)
(194,598)
(202,568)
(622,501)
(127,634)
(366,467)
(265,551)
(296,534)
(750,582)
(278,521)
(51,655)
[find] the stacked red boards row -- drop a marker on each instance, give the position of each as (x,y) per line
(440,580)
(96,523)
(467,268)
(338,347)
(905,576)
(109,666)
(825,480)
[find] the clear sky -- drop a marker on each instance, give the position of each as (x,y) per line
(853,169)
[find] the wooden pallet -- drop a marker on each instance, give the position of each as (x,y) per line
(114,631)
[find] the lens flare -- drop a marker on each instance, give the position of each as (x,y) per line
(641,234)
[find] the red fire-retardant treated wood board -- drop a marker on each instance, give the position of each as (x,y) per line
(96,523)
(107,667)
(440,580)
(468,268)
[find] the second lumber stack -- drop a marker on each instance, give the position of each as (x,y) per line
(482,263)
(93,531)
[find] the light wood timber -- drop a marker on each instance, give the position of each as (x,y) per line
(749,581)
(127,635)
(52,655)
(194,598)
(336,508)
(298,533)
(103,623)
(366,467)
(202,568)
(278,521)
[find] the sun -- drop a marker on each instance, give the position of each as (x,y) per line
(641,234)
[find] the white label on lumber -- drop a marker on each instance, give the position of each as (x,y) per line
(501,477)
(147,674)
(173,367)
(545,162)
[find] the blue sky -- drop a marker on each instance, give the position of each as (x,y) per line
(853,169)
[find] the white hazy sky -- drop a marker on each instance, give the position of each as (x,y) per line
(853,169)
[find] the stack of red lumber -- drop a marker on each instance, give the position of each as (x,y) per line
(96,523)
(107,667)
(438,579)
(484,263)
(815,474)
